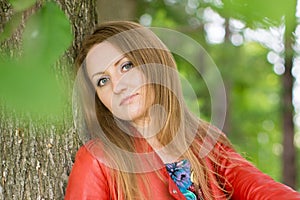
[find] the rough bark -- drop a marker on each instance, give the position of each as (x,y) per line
(36,158)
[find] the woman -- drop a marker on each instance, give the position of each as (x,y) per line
(141,141)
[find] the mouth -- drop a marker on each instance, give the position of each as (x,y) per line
(128,100)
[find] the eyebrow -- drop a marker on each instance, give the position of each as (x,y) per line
(118,61)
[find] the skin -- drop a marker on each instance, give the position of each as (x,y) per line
(119,85)
(122,88)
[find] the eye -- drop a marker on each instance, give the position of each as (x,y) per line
(102,81)
(126,66)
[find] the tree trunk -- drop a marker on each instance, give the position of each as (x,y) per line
(36,159)
(116,10)
(289,171)
(289,152)
(228,82)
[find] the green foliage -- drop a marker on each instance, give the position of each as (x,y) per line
(253,88)
(21,5)
(18,7)
(202,104)
(161,19)
(46,37)
(253,120)
(254,103)
(11,26)
(163,15)
(259,13)
(28,82)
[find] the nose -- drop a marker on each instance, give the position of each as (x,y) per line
(119,85)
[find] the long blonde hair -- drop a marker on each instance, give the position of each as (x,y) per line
(143,48)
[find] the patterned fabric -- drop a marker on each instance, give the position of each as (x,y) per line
(180,172)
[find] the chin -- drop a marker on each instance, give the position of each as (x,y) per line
(131,115)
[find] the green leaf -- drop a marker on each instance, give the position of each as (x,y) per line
(33,90)
(11,26)
(47,35)
(29,83)
(20,5)
(257,12)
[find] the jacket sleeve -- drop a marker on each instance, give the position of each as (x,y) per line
(248,183)
(87,180)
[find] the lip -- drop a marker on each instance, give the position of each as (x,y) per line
(128,100)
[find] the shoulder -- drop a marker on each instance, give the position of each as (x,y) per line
(88,157)
(88,153)
(91,156)
(88,176)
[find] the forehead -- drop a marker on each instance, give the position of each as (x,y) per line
(101,56)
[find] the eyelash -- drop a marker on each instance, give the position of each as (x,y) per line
(128,63)
(99,81)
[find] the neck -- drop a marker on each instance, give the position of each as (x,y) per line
(149,131)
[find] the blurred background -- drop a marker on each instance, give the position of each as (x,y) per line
(255,45)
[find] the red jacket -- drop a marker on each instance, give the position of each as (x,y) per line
(88,181)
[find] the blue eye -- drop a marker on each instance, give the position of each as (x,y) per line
(102,81)
(126,66)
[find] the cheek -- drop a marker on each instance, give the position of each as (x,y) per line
(105,98)
(135,79)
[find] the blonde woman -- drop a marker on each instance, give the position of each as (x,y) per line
(141,140)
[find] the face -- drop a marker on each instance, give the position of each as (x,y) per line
(120,86)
